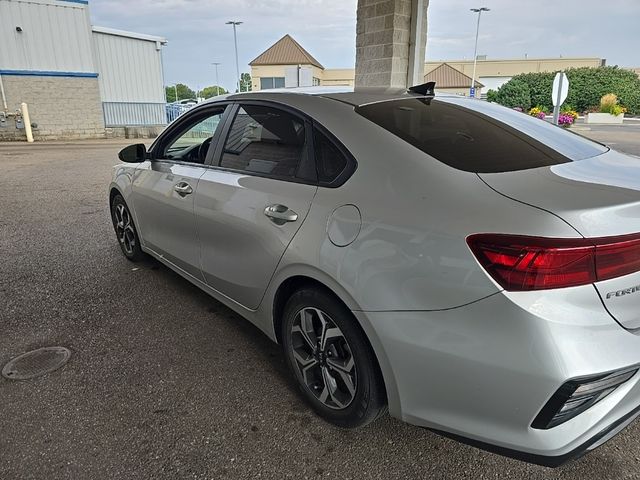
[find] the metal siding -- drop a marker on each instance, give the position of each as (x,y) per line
(130,69)
(56,36)
(118,114)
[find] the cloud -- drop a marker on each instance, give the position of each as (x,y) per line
(198,35)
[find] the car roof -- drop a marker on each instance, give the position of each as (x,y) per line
(361,96)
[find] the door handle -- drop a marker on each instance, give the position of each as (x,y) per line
(183,188)
(280,214)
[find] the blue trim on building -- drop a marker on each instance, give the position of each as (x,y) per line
(83,2)
(48,73)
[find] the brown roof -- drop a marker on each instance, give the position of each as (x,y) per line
(286,51)
(446,76)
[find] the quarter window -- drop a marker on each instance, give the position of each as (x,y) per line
(330,162)
(265,141)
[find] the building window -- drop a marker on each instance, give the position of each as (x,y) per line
(316,81)
(271,82)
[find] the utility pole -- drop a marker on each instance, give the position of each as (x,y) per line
(235,42)
(475,51)
(217,82)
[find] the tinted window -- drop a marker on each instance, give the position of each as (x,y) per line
(330,162)
(478,137)
(191,142)
(266,141)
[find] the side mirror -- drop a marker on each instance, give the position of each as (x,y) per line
(133,153)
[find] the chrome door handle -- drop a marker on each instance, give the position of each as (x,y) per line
(183,188)
(280,214)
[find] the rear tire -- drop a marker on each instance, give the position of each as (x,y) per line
(125,229)
(331,359)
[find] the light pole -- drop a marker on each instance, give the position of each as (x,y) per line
(175,89)
(235,42)
(475,51)
(215,64)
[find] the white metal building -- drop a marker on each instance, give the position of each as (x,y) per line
(76,79)
(130,77)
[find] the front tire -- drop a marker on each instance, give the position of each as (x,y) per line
(331,359)
(125,230)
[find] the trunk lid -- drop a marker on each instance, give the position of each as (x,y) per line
(599,197)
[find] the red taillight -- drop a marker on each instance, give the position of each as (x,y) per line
(521,263)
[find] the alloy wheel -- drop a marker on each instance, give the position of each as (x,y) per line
(323,358)
(124,228)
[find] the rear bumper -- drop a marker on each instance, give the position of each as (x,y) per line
(550,461)
(481,373)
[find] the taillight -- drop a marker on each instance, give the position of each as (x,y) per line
(522,263)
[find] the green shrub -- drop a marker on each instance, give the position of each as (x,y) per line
(586,86)
(492,95)
(514,93)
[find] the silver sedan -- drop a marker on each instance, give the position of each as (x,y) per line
(471,269)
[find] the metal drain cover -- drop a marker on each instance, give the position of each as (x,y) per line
(35,363)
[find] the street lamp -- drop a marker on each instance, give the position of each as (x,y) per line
(235,41)
(217,83)
(175,89)
(475,51)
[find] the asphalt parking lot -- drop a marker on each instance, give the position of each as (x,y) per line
(167,383)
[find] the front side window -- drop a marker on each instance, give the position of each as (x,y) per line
(191,143)
(478,137)
(265,141)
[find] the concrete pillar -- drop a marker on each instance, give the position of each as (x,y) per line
(391,37)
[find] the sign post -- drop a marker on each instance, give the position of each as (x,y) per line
(559,94)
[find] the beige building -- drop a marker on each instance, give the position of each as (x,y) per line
(287,64)
(494,73)
(450,80)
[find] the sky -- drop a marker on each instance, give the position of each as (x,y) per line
(197,34)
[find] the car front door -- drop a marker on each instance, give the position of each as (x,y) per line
(253,201)
(164,187)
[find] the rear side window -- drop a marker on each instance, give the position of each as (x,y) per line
(475,140)
(330,161)
(265,141)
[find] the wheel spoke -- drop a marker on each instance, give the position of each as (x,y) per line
(342,366)
(301,329)
(126,220)
(332,387)
(328,334)
(348,381)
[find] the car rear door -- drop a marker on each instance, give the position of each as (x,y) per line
(252,201)
(163,188)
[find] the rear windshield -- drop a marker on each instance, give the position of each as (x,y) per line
(477,136)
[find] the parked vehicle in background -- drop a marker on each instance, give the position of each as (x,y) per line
(474,269)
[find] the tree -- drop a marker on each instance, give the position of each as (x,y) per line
(212,91)
(514,93)
(184,92)
(492,95)
(245,82)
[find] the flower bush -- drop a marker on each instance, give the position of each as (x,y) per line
(571,113)
(538,112)
(566,120)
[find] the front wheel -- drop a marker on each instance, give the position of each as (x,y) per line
(125,229)
(332,360)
